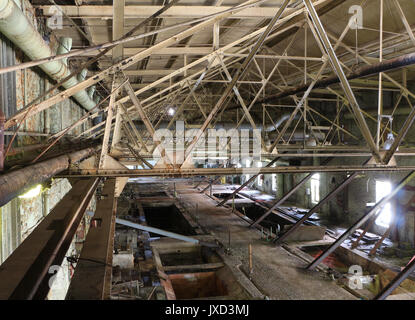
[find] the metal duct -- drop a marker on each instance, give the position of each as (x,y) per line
(16,182)
(225,125)
(15,26)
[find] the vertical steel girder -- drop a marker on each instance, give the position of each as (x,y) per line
(317,207)
(343,79)
(361,221)
(25,273)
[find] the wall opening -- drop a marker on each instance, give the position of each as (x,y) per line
(383,188)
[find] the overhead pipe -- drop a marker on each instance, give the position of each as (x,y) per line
(17,182)
(387,65)
(18,29)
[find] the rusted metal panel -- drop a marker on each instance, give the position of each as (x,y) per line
(92,277)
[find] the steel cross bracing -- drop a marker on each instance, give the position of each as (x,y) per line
(195,78)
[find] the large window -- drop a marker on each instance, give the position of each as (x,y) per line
(315,188)
(383,188)
(274,182)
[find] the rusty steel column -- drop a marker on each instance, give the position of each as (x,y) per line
(2,155)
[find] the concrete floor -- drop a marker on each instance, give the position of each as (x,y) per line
(277,273)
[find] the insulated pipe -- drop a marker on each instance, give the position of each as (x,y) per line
(18,29)
(160,232)
(17,182)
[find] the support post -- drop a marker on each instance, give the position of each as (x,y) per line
(108,125)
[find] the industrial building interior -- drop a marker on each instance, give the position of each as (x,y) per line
(207,150)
